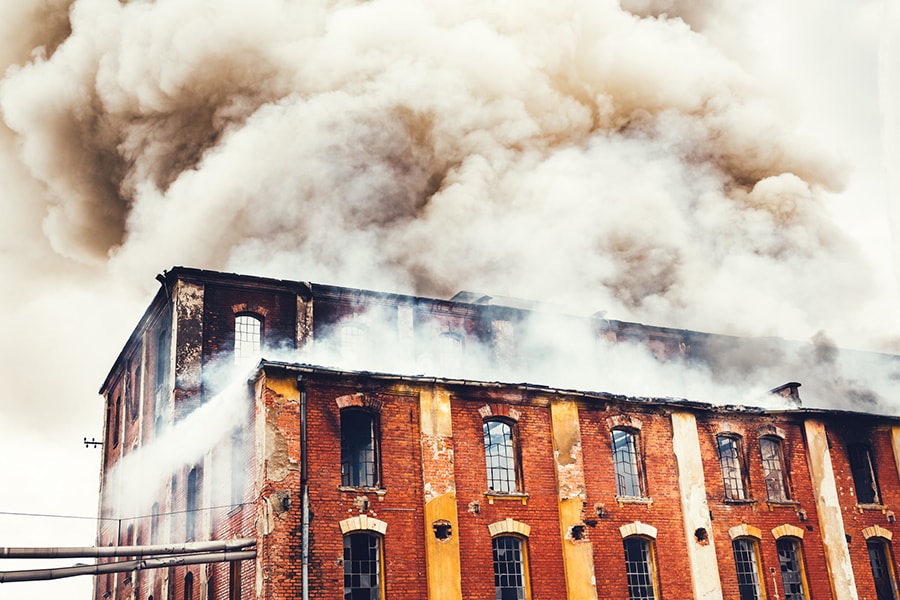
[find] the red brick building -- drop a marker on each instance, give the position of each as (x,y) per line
(379,484)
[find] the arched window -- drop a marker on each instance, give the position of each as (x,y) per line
(731,460)
(359,448)
(500,456)
(627,463)
(747,565)
(247,337)
(773,469)
(793,572)
(189,586)
(640,568)
(882,568)
(362,566)
(194,480)
(510,567)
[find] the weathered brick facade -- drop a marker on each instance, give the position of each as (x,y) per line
(238,470)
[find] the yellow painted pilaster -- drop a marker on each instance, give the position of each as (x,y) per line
(443,567)
(831,522)
(895,444)
(578,554)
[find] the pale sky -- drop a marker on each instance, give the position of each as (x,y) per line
(724,169)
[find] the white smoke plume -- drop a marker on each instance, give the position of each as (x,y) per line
(576,150)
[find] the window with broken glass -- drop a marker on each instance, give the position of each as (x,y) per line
(746,562)
(882,568)
(500,456)
(627,463)
(510,572)
(732,464)
(773,469)
(362,566)
(359,448)
(640,568)
(862,465)
(793,577)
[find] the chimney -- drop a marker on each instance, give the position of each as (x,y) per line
(789,391)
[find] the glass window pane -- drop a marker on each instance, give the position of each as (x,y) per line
(732,468)
(358,454)
(509,570)
(627,464)
(791,569)
(247,338)
(773,469)
(499,454)
(747,568)
(639,569)
(362,567)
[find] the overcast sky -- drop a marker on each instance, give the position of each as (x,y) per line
(672,162)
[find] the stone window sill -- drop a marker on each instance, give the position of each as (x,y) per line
(739,501)
(634,500)
(870,506)
(515,496)
(782,503)
(380,492)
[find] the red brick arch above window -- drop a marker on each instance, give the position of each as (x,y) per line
(624,422)
(505,411)
(256,309)
(770,430)
(359,400)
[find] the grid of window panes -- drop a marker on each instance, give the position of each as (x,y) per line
(353,342)
(791,569)
(247,338)
(747,568)
(773,468)
(499,455)
(627,463)
(732,470)
(362,567)
(449,352)
(509,575)
(639,569)
(358,456)
(863,469)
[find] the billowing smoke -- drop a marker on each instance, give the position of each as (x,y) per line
(578,151)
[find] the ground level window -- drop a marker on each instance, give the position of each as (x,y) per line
(882,571)
(509,568)
(791,562)
(746,562)
(362,567)
(640,569)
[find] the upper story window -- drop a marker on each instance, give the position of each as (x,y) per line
(354,341)
(359,448)
(449,350)
(640,568)
(731,460)
(862,465)
(247,337)
(115,422)
(362,566)
(162,358)
(510,568)
(193,502)
(773,469)
(500,456)
(793,572)
(747,565)
(627,463)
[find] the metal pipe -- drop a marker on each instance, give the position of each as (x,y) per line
(139,551)
(304,478)
(126,566)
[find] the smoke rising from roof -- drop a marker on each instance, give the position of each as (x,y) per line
(604,158)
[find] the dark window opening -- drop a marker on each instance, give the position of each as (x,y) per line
(882,569)
(791,563)
(359,448)
(193,502)
(234,580)
(640,569)
(862,465)
(509,568)
(189,586)
(747,566)
(362,567)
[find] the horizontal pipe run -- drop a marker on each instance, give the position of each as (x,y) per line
(126,566)
(135,551)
